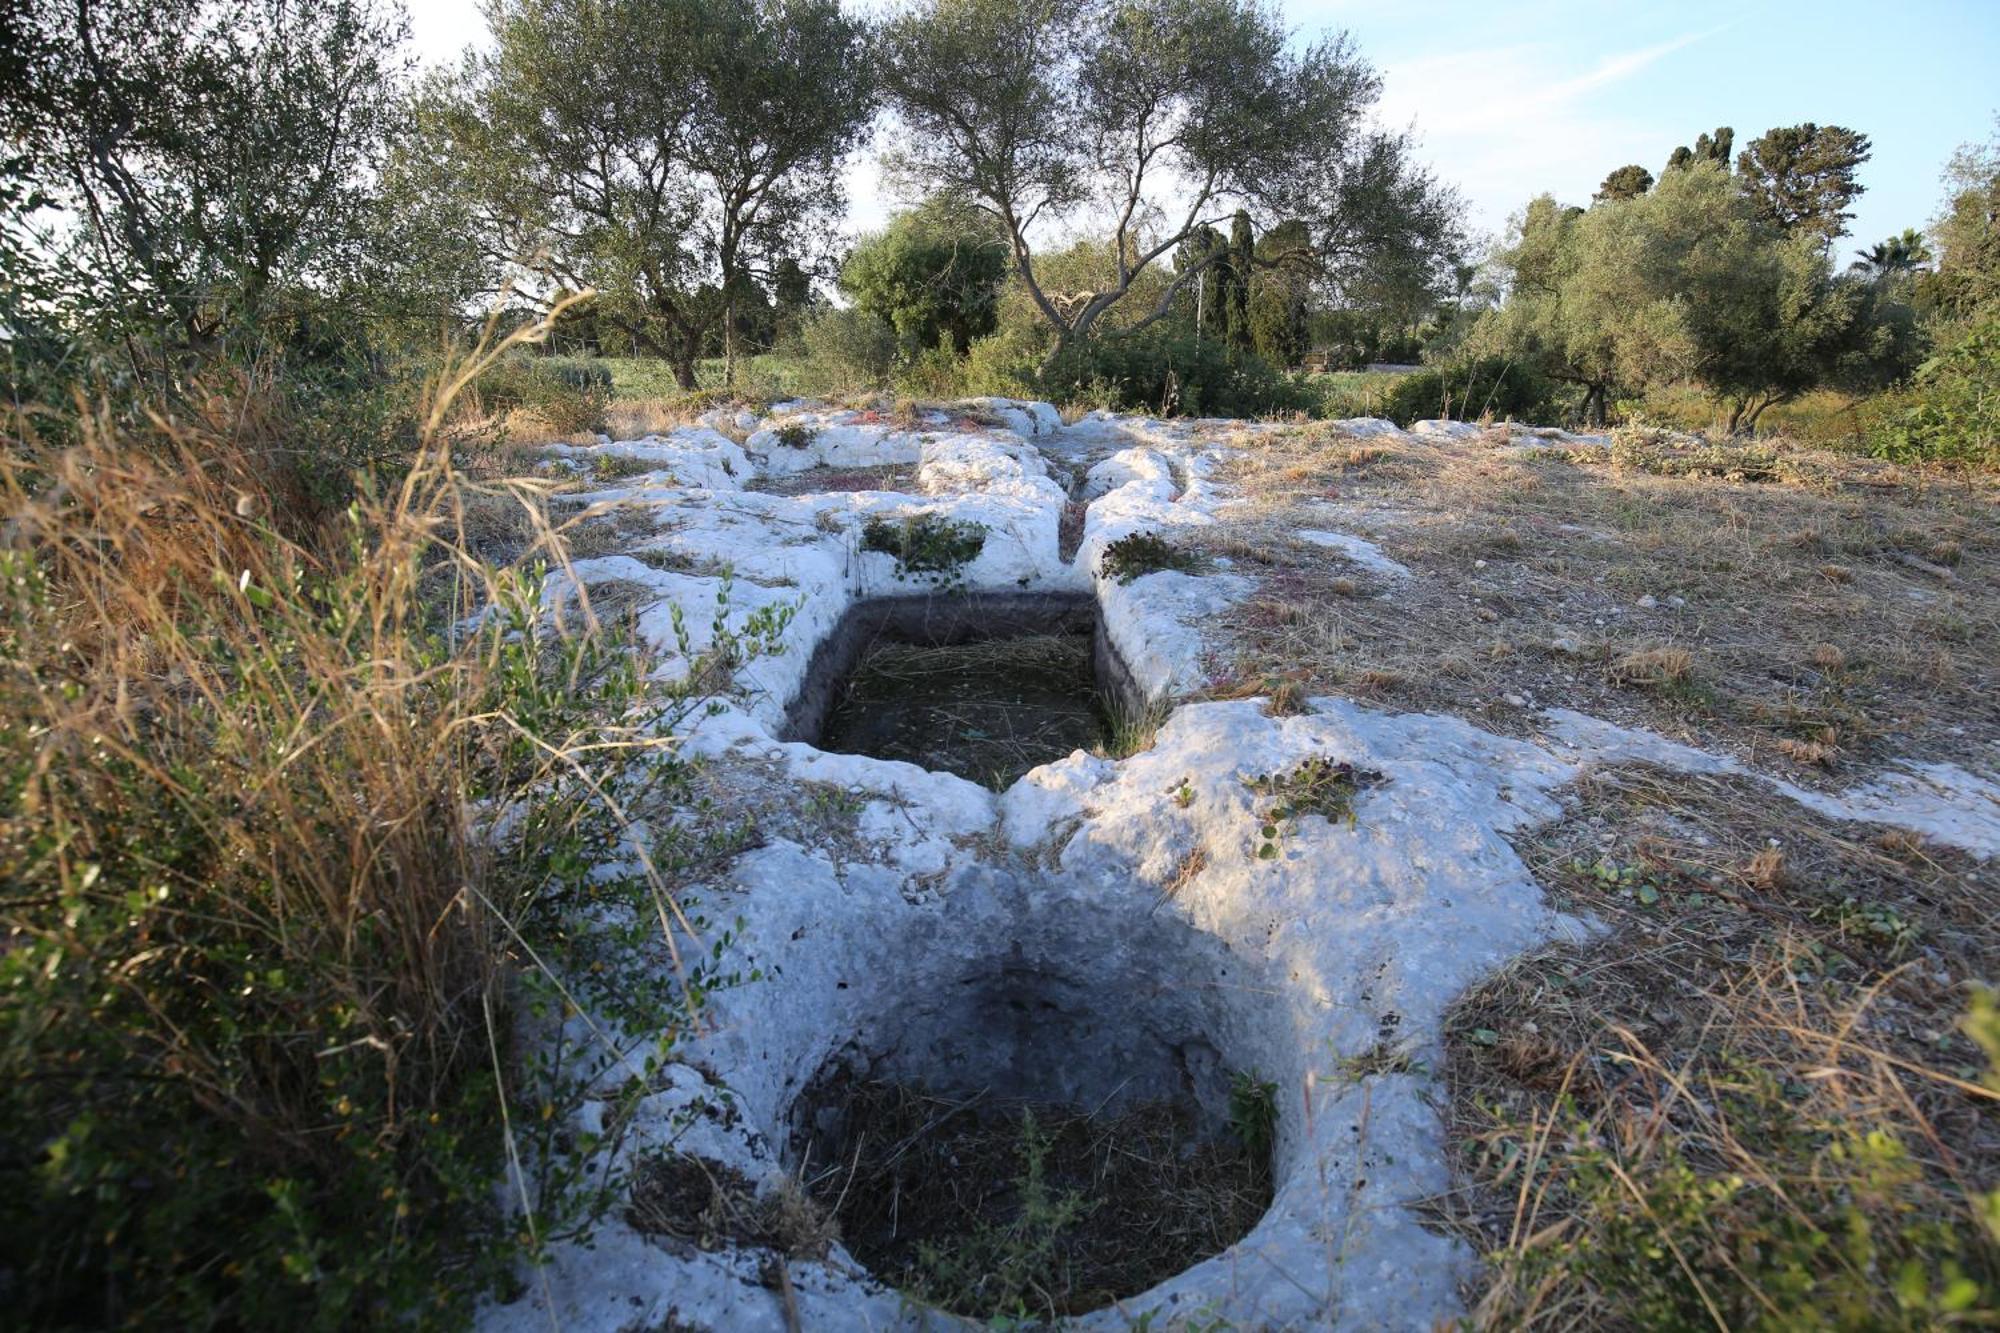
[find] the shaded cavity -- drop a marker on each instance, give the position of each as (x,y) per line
(984,685)
(995,1208)
(1061,1116)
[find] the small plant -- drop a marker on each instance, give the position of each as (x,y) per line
(1318,786)
(1253,1113)
(614,467)
(1625,881)
(795,435)
(1141,553)
(1654,669)
(926,545)
(996,1266)
(1876,923)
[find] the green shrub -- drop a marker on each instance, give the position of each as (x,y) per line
(926,545)
(1165,369)
(1002,366)
(1470,390)
(583,375)
(794,435)
(847,350)
(1951,413)
(1140,553)
(256,1000)
(568,398)
(934,373)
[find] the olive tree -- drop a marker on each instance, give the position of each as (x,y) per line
(1164,117)
(663,152)
(209,156)
(1688,281)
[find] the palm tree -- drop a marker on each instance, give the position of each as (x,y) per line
(1898,254)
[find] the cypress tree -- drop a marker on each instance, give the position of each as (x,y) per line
(1240,267)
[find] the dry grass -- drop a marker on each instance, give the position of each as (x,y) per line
(259,954)
(1038,1212)
(1852,608)
(1752,1102)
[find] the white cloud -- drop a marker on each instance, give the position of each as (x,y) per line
(1507,123)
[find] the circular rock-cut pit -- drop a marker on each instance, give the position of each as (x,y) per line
(1064,1118)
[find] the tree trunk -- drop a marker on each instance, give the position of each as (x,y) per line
(1056,349)
(729,341)
(683,367)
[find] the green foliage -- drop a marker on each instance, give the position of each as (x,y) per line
(1253,1113)
(580,175)
(1951,414)
(210,162)
(998,1266)
(928,546)
(1710,149)
(1903,253)
(570,398)
(795,435)
(1167,369)
(1967,281)
(1627,182)
(1002,365)
(1027,110)
(1489,386)
(1278,313)
(1140,553)
(1801,178)
(1843,1244)
(1645,450)
(848,350)
(1317,786)
(933,275)
(258,1064)
(1685,281)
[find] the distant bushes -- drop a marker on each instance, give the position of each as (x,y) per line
(1951,414)
(1168,370)
(848,350)
(1469,390)
(568,396)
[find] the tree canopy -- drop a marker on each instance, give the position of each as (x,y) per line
(933,273)
(213,155)
(1166,115)
(1801,178)
(667,192)
(1688,281)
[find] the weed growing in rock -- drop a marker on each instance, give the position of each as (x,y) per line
(928,546)
(1141,553)
(616,467)
(795,435)
(1317,786)
(1253,1113)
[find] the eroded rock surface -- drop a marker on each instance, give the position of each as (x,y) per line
(1175,920)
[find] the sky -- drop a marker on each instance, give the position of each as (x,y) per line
(1513,98)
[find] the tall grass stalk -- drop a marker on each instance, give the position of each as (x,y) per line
(281,802)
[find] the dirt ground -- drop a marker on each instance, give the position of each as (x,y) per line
(1840,614)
